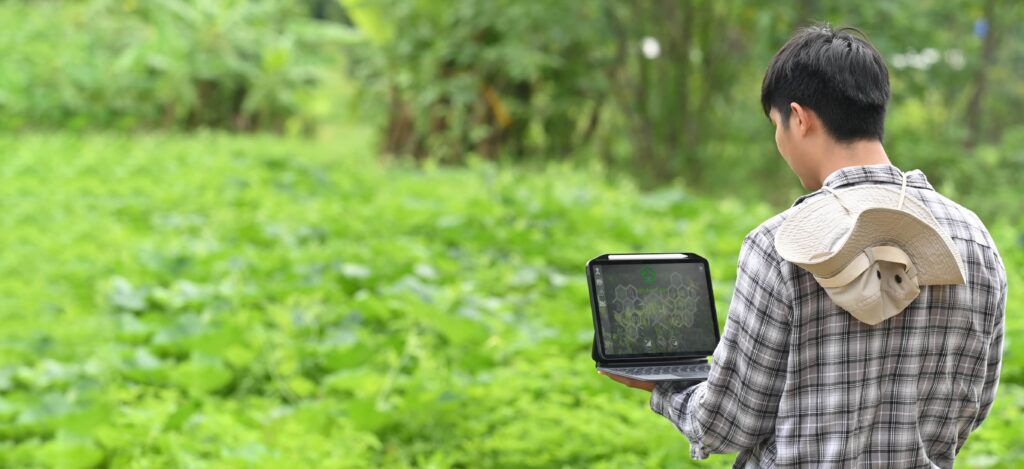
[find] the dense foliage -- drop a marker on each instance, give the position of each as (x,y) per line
(668,89)
(130,64)
(210,300)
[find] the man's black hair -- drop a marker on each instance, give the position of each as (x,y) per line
(837,74)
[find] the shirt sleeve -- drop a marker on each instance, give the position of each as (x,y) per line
(736,407)
(995,358)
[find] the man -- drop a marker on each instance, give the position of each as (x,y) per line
(805,376)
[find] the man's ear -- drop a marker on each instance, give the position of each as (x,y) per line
(800,118)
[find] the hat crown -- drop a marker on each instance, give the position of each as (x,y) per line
(881,291)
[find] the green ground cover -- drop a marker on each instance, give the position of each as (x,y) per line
(220,301)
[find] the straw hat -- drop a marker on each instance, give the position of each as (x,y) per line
(871,248)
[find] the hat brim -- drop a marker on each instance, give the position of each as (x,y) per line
(931,252)
(811,230)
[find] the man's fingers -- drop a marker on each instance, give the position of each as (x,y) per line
(621,379)
(633,383)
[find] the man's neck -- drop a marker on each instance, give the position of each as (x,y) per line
(842,155)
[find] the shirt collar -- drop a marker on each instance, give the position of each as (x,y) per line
(870,174)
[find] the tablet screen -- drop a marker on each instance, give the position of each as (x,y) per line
(654,309)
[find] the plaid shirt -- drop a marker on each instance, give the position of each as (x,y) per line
(797,381)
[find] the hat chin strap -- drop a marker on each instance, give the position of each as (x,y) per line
(903,192)
(863,261)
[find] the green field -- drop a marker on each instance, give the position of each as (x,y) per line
(348,233)
(223,301)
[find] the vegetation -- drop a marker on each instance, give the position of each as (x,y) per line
(179,64)
(207,262)
(665,89)
(256,300)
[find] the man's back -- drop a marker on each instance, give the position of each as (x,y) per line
(798,381)
(905,392)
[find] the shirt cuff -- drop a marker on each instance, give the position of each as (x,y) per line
(661,396)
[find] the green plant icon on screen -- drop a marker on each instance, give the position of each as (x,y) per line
(647,274)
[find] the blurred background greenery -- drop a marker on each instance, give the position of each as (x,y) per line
(351,233)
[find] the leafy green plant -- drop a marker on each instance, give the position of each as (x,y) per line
(483,77)
(238,65)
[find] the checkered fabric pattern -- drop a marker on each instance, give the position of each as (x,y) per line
(798,382)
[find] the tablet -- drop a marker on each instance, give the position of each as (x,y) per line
(652,305)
